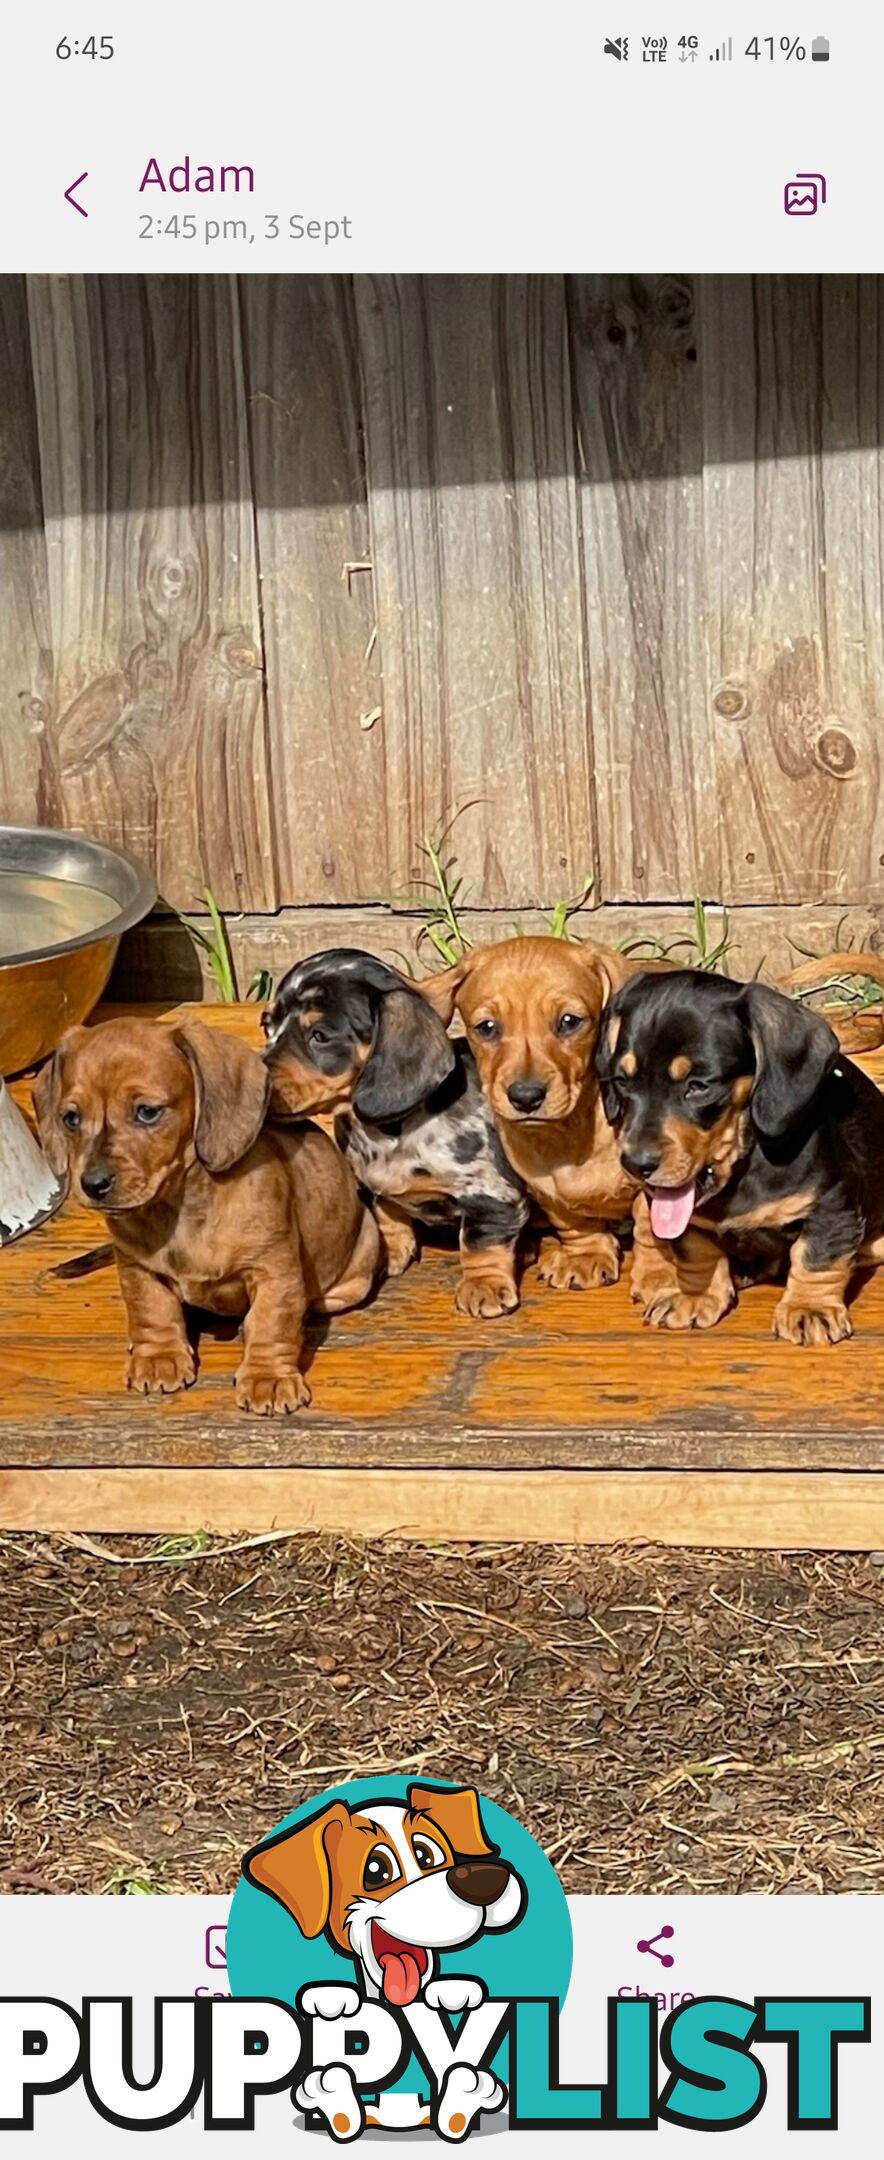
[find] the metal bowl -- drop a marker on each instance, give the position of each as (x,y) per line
(74,898)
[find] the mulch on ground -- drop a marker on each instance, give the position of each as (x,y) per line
(659,1720)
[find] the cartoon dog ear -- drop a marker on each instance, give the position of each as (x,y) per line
(47,1089)
(457,1814)
(295,1868)
(793,1052)
(410,1057)
(232,1093)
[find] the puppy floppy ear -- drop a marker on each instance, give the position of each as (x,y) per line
(47,1090)
(457,1814)
(410,1057)
(442,991)
(296,1867)
(610,1025)
(232,1093)
(794,1050)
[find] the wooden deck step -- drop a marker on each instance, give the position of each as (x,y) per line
(566,1421)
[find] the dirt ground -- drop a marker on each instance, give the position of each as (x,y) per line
(665,1721)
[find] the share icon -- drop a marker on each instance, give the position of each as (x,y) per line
(648,1948)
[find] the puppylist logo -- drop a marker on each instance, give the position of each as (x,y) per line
(399,1955)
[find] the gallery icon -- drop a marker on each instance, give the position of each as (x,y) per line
(805,195)
(618,47)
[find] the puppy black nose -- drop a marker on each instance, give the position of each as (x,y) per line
(478,1882)
(526,1094)
(97,1183)
(641,1165)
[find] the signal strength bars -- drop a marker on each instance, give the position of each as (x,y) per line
(724,51)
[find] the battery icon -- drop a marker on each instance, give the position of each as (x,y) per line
(820,48)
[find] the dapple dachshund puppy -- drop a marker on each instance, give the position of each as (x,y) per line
(162,1129)
(753,1136)
(348,1036)
(531,1007)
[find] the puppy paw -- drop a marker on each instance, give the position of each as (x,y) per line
(811,1326)
(647,1284)
(160,1372)
(485,1297)
(454,1992)
(399,1250)
(675,1309)
(594,1267)
(465,2094)
(328,2000)
(332,2094)
(270,1394)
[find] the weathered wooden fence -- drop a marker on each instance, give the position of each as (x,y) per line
(291,567)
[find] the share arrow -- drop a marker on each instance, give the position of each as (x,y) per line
(70,192)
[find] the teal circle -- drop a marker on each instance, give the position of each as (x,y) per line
(268,1956)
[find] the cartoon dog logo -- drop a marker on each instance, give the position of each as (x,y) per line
(393,1886)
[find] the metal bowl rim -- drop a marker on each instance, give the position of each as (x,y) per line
(142,900)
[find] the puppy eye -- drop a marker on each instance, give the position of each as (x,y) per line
(487,1030)
(319,1036)
(569,1023)
(696,1087)
(146,1113)
(71,1119)
(380,1868)
(426,1854)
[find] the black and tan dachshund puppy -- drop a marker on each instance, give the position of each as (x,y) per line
(754,1138)
(349,1037)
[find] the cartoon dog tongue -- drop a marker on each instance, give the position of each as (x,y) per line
(671,1209)
(402,1977)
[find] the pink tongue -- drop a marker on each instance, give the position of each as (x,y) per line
(402,1977)
(671,1211)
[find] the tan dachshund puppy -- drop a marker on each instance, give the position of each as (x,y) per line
(161,1129)
(531,1008)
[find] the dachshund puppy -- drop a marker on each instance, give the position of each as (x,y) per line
(162,1129)
(753,1136)
(532,1007)
(347,1035)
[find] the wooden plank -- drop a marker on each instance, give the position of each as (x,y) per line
(472,495)
(158,959)
(158,719)
(793,384)
(155,1441)
(311,513)
(28,779)
(775,1513)
(635,358)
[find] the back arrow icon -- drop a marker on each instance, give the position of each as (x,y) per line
(70,192)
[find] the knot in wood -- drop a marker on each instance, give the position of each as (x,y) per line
(836,753)
(731,701)
(240,654)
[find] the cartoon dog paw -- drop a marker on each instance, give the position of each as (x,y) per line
(332,2094)
(329,2000)
(454,1993)
(466,2093)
